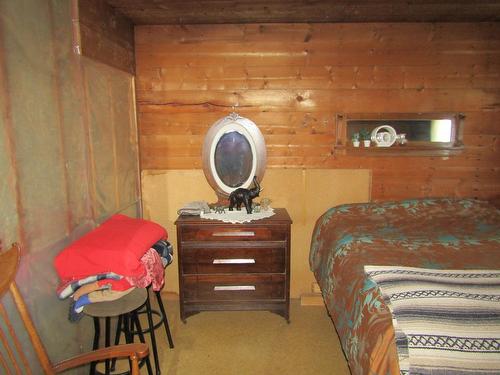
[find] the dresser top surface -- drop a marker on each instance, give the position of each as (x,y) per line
(280,216)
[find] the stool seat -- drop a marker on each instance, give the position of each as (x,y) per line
(122,305)
(125,309)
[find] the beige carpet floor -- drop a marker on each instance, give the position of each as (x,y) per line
(251,342)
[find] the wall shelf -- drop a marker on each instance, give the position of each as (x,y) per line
(413,148)
(406,150)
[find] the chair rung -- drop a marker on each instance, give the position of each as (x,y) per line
(11,350)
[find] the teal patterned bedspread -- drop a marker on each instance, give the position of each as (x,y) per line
(440,233)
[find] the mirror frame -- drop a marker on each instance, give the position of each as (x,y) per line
(415,148)
(233,122)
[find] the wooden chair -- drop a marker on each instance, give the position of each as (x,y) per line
(13,357)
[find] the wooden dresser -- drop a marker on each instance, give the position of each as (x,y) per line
(225,266)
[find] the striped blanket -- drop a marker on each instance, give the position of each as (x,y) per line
(446,321)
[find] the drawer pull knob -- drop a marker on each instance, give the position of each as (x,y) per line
(219,288)
(233,261)
(234,234)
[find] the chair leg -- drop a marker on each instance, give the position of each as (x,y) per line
(165,320)
(152,333)
(137,323)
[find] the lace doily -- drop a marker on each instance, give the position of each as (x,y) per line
(238,216)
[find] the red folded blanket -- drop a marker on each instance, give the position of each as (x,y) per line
(117,245)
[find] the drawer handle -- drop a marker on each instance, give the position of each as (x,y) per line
(234,234)
(233,261)
(219,288)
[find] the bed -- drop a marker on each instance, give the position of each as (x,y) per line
(435,234)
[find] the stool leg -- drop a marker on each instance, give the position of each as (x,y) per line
(152,333)
(165,320)
(95,344)
(117,339)
(119,329)
(126,329)
(137,323)
(108,342)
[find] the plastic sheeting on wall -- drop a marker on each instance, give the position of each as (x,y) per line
(68,154)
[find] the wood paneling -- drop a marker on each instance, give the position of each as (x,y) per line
(154,12)
(306,194)
(292,79)
(103,34)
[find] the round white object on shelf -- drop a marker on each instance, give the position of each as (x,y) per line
(385,138)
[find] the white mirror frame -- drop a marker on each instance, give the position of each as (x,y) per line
(242,125)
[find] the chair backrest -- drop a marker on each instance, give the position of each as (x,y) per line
(13,359)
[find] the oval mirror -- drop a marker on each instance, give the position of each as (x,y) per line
(233,153)
(233,159)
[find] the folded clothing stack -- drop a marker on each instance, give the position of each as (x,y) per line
(120,254)
(165,250)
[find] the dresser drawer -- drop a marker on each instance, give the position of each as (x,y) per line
(233,233)
(233,260)
(234,288)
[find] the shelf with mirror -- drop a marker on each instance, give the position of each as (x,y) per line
(399,134)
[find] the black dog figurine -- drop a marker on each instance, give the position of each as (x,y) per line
(244,196)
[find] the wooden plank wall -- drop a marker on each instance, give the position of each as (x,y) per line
(103,34)
(292,79)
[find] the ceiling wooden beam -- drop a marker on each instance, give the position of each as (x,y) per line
(151,12)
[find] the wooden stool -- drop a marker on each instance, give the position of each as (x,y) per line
(126,309)
(163,318)
(146,309)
